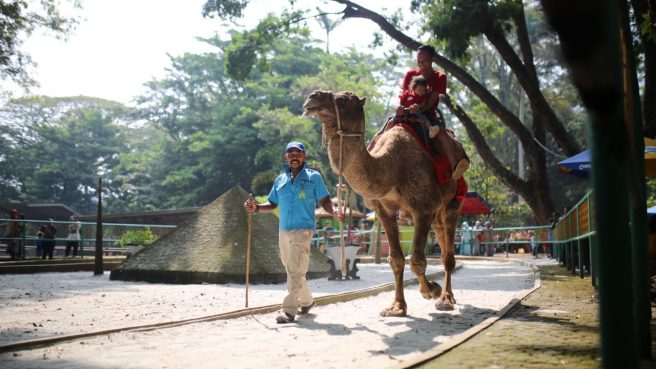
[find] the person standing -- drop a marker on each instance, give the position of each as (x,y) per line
(477,231)
(466,240)
(73,235)
(451,148)
(49,232)
(12,234)
(488,238)
(296,191)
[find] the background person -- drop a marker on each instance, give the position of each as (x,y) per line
(49,233)
(73,236)
(296,191)
(12,234)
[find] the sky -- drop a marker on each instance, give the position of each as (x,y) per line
(122,44)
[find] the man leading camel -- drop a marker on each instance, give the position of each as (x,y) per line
(296,191)
(436,86)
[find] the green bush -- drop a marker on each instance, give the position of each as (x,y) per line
(139,237)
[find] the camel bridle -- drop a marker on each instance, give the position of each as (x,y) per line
(340,187)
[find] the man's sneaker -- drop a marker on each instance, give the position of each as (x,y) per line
(283,318)
(306,309)
(460,169)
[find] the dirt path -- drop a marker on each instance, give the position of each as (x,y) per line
(342,335)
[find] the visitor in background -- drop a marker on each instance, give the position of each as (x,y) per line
(466,240)
(49,233)
(39,243)
(488,238)
(73,236)
(12,234)
(477,232)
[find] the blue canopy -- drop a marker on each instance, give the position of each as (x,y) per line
(578,165)
(651,211)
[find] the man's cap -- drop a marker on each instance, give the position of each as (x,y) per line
(14,211)
(295,145)
(50,219)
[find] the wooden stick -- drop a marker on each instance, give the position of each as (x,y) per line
(248,247)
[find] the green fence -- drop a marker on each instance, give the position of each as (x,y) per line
(574,234)
(115,236)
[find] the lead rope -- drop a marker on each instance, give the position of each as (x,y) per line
(340,189)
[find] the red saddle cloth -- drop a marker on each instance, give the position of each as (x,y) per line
(441,166)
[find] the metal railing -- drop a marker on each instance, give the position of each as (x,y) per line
(28,242)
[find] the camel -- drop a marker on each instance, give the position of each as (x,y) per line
(395,174)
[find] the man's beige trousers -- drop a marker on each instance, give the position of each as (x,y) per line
(295,256)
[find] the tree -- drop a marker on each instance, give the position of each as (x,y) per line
(19,19)
(455,23)
(224,131)
(63,146)
(328,25)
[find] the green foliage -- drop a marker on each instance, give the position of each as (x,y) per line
(647,29)
(458,21)
(225,132)
(19,19)
(251,48)
(62,146)
(229,9)
(142,236)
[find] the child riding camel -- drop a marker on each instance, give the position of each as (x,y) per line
(408,111)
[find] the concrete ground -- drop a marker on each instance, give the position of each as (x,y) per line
(554,327)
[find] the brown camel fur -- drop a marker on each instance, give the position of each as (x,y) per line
(396,174)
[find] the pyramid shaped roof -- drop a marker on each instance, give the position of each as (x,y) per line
(210,247)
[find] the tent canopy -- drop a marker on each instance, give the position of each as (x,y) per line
(473,204)
(580,164)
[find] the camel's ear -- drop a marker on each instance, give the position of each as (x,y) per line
(363,100)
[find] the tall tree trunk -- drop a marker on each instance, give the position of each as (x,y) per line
(640,9)
(534,189)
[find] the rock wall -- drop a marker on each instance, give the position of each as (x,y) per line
(210,247)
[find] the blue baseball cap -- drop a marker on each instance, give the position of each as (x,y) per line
(295,145)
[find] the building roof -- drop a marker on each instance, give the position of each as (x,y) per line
(42,211)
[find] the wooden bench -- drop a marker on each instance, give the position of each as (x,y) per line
(335,260)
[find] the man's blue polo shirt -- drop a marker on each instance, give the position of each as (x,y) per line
(297,200)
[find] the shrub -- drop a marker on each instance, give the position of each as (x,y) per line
(139,237)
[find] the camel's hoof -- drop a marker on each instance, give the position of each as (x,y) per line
(396,309)
(444,304)
(434,291)
(391,311)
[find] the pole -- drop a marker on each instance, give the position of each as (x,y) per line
(637,190)
(248,248)
(98,266)
(379,234)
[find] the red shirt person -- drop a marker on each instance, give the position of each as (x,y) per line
(436,82)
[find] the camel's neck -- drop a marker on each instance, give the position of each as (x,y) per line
(356,166)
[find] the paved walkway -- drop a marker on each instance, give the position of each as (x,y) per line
(555,327)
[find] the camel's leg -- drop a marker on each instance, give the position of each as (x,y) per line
(397,263)
(446,236)
(428,289)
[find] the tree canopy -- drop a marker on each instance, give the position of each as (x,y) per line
(19,19)
(454,26)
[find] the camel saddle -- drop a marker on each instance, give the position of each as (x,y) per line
(441,166)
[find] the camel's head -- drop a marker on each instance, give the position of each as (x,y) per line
(323,103)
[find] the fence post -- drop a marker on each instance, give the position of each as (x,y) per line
(98,266)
